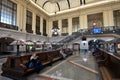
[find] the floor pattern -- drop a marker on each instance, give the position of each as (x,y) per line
(75,67)
(71,69)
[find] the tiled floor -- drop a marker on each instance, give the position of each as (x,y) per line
(75,67)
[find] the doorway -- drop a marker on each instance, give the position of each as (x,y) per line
(5,47)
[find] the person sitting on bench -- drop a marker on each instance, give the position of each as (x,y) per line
(35,63)
(63,54)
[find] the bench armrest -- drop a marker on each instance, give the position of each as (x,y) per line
(22,66)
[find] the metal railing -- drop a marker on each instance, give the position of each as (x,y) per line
(90,31)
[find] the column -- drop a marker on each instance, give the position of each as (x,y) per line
(41,25)
(34,23)
(19,17)
(60,26)
(50,27)
(24,19)
(81,21)
(85,22)
(111,18)
(106,18)
(69,26)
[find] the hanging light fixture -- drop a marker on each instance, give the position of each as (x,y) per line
(55,29)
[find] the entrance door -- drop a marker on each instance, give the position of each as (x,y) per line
(4,45)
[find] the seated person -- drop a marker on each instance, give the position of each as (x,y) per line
(35,63)
(63,54)
(96,50)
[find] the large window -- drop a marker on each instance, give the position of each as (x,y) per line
(116,17)
(95,20)
(55,24)
(29,22)
(75,24)
(55,29)
(64,26)
(44,27)
(8,12)
(38,25)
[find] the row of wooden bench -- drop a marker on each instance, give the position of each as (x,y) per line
(12,68)
(109,65)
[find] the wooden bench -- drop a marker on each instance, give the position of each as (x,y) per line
(105,74)
(68,52)
(111,68)
(12,68)
(55,55)
(102,59)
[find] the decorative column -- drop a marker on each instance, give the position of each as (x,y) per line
(41,25)
(106,18)
(69,26)
(111,18)
(50,27)
(60,26)
(85,22)
(19,17)
(24,19)
(81,21)
(34,23)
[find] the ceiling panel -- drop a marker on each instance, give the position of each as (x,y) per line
(74,3)
(52,6)
(63,5)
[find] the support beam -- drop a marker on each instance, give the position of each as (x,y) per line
(82,2)
(44,3)
(68,3)
(58,6)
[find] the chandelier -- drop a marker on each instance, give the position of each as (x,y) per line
(55,29)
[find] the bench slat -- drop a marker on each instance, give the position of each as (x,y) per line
(105,74)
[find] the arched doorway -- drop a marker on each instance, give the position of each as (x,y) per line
(4,45)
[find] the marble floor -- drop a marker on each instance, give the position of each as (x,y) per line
(76,67)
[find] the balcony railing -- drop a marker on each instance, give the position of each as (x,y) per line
(64,34)
(90,31)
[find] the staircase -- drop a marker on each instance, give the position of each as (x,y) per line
(105,31)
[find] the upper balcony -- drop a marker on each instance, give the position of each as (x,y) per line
(92,31)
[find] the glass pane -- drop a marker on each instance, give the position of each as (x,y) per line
(7,12)
(95,20)
(116,14)
(75,24)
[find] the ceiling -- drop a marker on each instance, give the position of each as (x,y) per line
(62,6)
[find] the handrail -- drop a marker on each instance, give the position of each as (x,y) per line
(111,54)
(89,31)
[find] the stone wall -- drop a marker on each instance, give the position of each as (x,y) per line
(17,35)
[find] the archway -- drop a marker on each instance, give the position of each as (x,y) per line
(4,45)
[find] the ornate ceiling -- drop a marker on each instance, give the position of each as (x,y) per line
(62,6)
